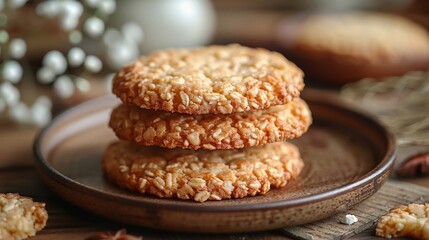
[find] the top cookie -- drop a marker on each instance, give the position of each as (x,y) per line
(215,79)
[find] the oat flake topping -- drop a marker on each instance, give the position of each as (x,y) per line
(215,79)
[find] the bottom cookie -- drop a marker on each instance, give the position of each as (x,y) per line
(20,217)
(203,174)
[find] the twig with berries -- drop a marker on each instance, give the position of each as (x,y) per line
(416,165)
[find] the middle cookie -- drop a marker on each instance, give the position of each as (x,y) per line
(211,131)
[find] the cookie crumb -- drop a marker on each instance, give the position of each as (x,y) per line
(349,219)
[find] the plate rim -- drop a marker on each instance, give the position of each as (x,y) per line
(384,165)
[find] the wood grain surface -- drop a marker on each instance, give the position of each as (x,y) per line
(393,193)
(69,222)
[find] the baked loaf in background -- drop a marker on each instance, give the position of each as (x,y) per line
(348,46)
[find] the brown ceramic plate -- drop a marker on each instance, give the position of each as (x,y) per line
(348,156)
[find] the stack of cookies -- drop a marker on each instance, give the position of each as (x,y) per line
(207,123)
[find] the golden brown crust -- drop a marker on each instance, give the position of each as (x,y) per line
(405,221)
(20,217)
(363,38)
(211,131)
(215,79)
(201,175)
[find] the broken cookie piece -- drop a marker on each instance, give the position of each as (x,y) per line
(20,217)
(405,221)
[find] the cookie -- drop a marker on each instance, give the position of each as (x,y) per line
(211,131)
(410,221)
(201,175)
(215,79)
(364,36)
(20,217)
(348,46)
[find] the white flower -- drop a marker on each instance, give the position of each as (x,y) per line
(15,4)
(82,84)
(45,75)
(44,100)
(12,71)
(20,113)
(93,3)
(9,93)
(17,48)
(93,64)
(123,47)
(64,87)
(94,26)
(49,8)
(76,56)
(72,10)
(75,37)
(4,36)
(122,53)
(107,6)
(69,22)
(133,31)
(68,11)
(111,37)
(41,111)
(56,61)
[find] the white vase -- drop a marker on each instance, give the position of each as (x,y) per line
(168,23)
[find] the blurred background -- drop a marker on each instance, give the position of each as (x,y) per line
(57,53)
